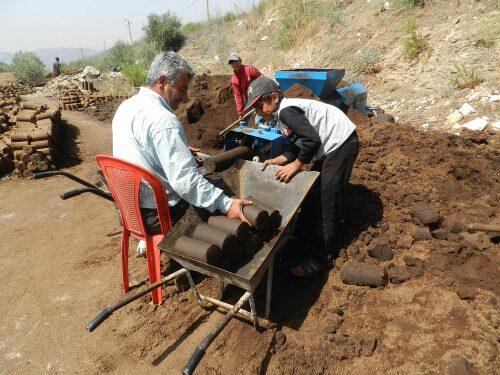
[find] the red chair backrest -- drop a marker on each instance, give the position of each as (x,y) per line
(124,181)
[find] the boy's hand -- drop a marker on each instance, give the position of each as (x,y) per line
(236,209)
(280,160)
(289,171)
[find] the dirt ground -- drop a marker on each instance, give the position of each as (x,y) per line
(438,313)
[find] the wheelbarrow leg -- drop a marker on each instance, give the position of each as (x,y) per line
(253,310)
(193,286)
(221,289)
(269,288)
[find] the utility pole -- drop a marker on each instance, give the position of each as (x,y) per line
(208,12)
(104,41)
(128,23)
(81,50)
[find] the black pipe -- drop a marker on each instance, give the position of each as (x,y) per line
(108,311)
(65,174)
(96,191)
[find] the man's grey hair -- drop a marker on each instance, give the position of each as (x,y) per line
(170,65)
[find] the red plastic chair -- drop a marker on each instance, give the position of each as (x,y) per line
(124,181)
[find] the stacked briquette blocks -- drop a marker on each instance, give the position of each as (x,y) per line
(71,97)
(30,141)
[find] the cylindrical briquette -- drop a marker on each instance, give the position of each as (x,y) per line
(274,214)
(43,116)
(4,148)
(252,244)
(26,118)
(39,136)
(228,225)
(226,159)
(41,144)
(228,242)
(19,137)
(18,145)
(258,217)
(199,250)
(32,106)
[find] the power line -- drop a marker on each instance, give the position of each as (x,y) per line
(186,8)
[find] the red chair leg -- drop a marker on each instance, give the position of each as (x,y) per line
(125,246)
(153,260)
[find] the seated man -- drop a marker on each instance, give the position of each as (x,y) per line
(147,133)
(322,134)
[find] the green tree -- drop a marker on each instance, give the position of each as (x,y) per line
(121,55)
(27,67)
(164,31)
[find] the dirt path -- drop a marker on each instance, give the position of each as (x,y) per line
(59,264)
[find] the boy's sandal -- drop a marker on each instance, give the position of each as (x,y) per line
(311,267)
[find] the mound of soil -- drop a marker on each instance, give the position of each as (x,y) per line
(328,324)
(210,109)
(104,111)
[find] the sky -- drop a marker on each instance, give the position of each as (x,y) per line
(34,24)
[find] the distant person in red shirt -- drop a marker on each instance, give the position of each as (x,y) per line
(241,79)
(56,68)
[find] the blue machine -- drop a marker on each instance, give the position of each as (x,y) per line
(267,142)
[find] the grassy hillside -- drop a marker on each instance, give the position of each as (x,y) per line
(412,55)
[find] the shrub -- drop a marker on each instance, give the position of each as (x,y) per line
(301,19)
(465,77)
(193,27)
(230,16)
(27,67)
(405,4)
(413,42)
(4,67)
(135,74)
(366,60)
(164,32)
(145,53)
(121,55)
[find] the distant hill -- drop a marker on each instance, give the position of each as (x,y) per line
(47,55)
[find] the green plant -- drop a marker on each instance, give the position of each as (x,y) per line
(145,53)
(406,4)
(193,27)
(300,18)
(4,67)
(135,74)
(413,42)
(27,67)
(365,61)
(465,77)
(230,16)
(164,31)
(122,54)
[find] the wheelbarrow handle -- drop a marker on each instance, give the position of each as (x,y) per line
(65,174)
(193,361)
(108,311)
(39,175)
(201,349)
(94,190)
(101,317)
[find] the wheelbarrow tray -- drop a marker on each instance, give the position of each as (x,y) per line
(244,179)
